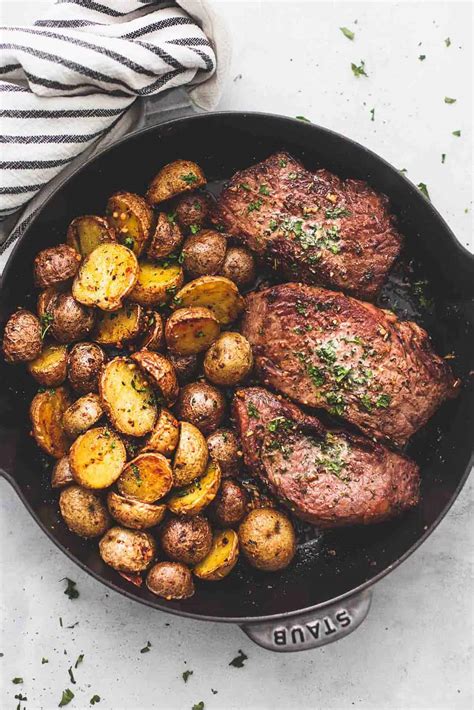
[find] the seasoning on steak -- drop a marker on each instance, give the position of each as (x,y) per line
(326,477)
(312,226)
(327,350)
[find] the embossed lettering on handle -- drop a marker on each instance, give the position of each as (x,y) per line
(311,629)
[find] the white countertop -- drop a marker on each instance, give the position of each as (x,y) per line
(414,651)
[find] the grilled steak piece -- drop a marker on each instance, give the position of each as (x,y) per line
(327,477)
(312,226)
(324,349)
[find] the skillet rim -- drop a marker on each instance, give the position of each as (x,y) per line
(415,194)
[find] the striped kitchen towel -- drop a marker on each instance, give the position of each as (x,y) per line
(70,78)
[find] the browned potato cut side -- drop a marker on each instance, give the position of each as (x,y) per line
(46,413)
(82,415)
(97,458)
(106,276)
(221,559)
(186,540)
(131,217)
(190,459)
(170,580)
(85,233)
(119,327)
(69,319)
(165,435)
(174,178)
(127,397)
(192,499)
(217,293)
(267,539)
(160,373)
(62,474)
(85,362)
(127,550)
(166,237)
(156,283)
(154,337)
(229,360)
(204,253)
(189,331)
(83,512)
(50,367)
(134,513)
(22,340)
(201,404)
(54,266)
(147,478)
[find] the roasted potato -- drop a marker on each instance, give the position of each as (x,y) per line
(193,498)
(191,330)
(217,293)
(224,448)
(22,337)
(70,320)
(203,253)
(61,475)
(192,210)
(106,276)
(85,233)
(165,239)
(221,558)
(174,178)
(127,397)
(55,266)
(97,458)
(185,366)
(134,513)
(119,327)
(50,367)
(201,404)
(156,283)
(127,550)
(239,267)
(85,362)
(82,415)
(230,505)
(147,478)
(170,580)
(43,305)
(267,539)
(131,218)
(46,413)
(229,360)
(83,512)
(165,434)
(154,336)
(186,540)
(160,372)
(190,459)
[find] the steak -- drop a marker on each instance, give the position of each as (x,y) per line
(327,350)
(326,477)
(313,227)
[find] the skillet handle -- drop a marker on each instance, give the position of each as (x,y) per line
(311,629)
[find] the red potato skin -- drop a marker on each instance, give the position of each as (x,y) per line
(22,340)
(55,265)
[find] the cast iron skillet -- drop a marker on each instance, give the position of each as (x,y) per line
(325,593)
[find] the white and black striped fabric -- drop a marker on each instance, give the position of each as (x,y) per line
(67,79)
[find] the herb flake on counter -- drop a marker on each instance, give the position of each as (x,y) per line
(199,706)
(186,674)
(443,158)
(71,675)
(303,118)
(238,661)
(448,100)
(359,70)
(79,660)
(44,660)
(347,32)
(17,681)
(95,699)
(422,188)
(447,42)
(214,692)
(146,648)
(66,698)
(422,57)
(372,114)
(457,134)
(70,590)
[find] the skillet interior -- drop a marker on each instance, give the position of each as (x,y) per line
(338,562)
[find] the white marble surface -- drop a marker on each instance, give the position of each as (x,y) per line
(414,651)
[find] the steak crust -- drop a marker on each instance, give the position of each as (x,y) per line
(312,226)
(327,350)
(327,477)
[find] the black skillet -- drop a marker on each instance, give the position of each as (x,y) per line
(325,594)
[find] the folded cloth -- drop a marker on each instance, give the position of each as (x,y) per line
(68,79)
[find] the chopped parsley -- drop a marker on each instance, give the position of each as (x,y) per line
(136,472)
(359,70)
(136,387)
(71,675)
(347,33)
(255,205)
(79,660)
(264,190)
(245,186)
(199,705)
(146,648)
(335,212)
(189,178)
(282,163)
(443,158)
(422,57)
(129,242)
(422,187)
(366,402)
(194,228)
(171,217)
(448,100)
(66,698)
(303,118)
(457,134)
(238,661)
(327,353)
(46,322)
(17,681)
(372,114)
(252,410)
(95,699)
(301,308)
(44,660)
(71,590)
(279,422)
(383,401)
(447,42)
(273,224)
(336,401)
(186,675)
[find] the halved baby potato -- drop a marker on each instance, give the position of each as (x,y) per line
(134,514)
(85,233)
(191,456)
(119,327)
(166,237)
(61,475)
(173,179)
(191,330)
(46,412)
(154,336)
(106,276)
(165,435)
(156,283)
(217,293)
(222,557)
(193,498)
(97,458)
(160,372)
(147,478)
(131,217)
(127,397)
(50,367)
(82,415)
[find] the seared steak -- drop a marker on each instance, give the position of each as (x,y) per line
(313,227)
(324,349)
(327,477)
